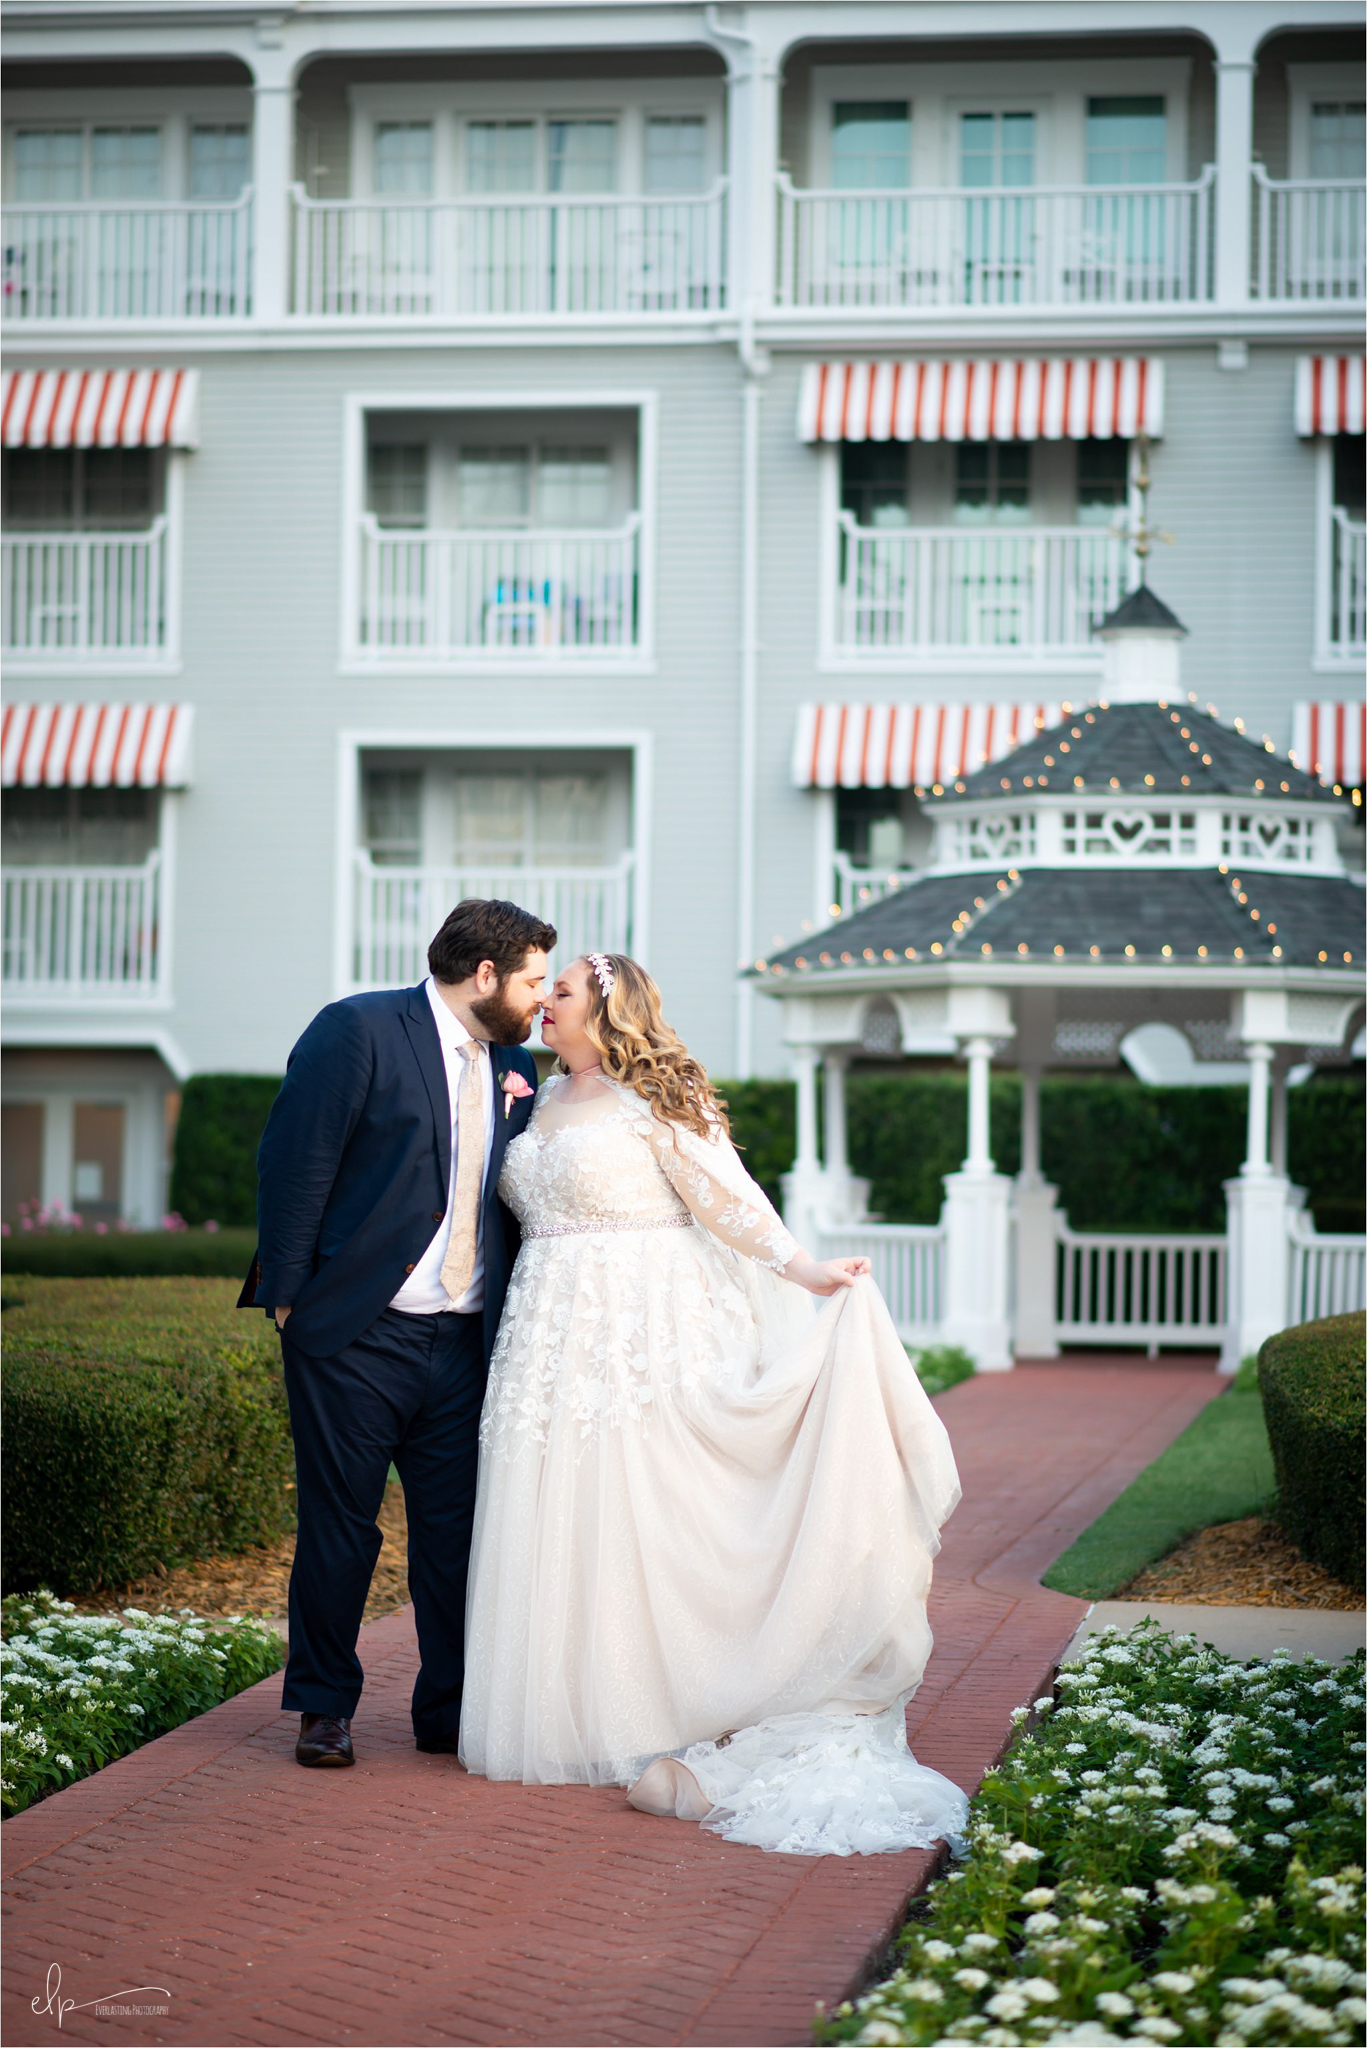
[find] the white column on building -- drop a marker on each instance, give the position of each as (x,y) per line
(976,1219)
(1258,1211)
(1277,1125)
(1034,1203)
(272,175)
(1233,177)
(804,1186)
(752,90)
(837,1147)
(1259,1085)
(978,1158)
(1030,1166)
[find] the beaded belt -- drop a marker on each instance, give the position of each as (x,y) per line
(674,1221)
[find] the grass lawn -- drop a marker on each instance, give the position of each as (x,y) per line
(1219,1470)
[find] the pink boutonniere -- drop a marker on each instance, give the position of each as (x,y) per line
(515,1089)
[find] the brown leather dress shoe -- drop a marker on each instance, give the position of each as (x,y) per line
(324,1739)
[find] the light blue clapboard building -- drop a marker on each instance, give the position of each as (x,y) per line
(615,455)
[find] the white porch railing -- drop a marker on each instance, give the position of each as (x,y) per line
(1036,591)
(1343,628)
(505,257)
(908,1267)
(82,934)
(1328,1272)
(1040,245)
(856,887)
(171,260)
(498,593)
(1309,238)
(398,909)
(72,596)
(1139,1288)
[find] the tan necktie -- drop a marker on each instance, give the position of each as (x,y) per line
(457,1268)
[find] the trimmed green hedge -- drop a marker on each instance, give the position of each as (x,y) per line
(213,1173)
(129,1254)
(1311,1378)
(145,1424)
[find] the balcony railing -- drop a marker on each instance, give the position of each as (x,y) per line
(1343,623)
(83,934)
(1309,238)
(97,597)
(173,260)
(1030,592)
(398,909)
(1042,245)
(856,887)
(499,594)
(504,257)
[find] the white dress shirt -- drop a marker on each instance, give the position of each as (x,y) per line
(422,1293)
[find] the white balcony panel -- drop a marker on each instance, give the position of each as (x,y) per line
(83,935)
(507,258)
(172,260)
(1310,239)
(1030,592)
(855,888)
(1044,245)
(67,598)
(501,594)
(397,910)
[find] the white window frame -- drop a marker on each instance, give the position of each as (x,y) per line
(1326,659)
(1306,83)
(353,743)
(356,405)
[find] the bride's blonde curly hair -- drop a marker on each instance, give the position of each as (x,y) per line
(641,1051)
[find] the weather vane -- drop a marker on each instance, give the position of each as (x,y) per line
(1139,532)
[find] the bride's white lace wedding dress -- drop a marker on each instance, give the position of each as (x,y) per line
(708,1503)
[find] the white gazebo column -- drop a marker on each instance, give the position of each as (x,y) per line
(845,1199)
(1035,1201)
(1258,1211)
(1276,1141)
(803,1186)
(272,202)
(976,1218)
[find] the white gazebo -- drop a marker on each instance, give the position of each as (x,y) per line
(1140,862)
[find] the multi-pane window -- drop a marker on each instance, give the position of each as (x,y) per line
(220,160)
(1350,482)
(1127,141)
(125,163)
(873,482)
(992,483)
(501,156)
(871,826)
(581,156)
(675,159)
(1338,134)
(495,486)
(548,486)
(871,145)
(574,487)
(997,149)
(403,158)
(397,483)
(80,489)
(392,816)
(531,819)
(78,827)
(1103,469)
(49,164)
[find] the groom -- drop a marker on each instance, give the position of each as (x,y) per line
(384,1255)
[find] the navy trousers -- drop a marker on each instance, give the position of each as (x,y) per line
(407,1391)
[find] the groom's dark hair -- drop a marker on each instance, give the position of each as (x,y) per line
(484,929)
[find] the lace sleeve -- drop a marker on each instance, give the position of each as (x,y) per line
(707,1175)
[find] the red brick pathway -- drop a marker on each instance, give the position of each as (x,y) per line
(404,1903)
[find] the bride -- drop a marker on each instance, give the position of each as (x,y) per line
(708,1501)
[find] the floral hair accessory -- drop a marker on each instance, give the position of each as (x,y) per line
(602,967)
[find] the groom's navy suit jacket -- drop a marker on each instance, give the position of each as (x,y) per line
(354,1168)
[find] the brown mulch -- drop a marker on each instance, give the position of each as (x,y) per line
(1252,1563)
(257,1581)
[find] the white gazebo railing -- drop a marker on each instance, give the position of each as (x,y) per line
(1036,591)
(1343,624)
(908,1268)
(498,593)
(83,934)
(1039,245)
(397,909)
(1328,1272)
(1310,238)
(1139,1288)
(84,596)
(503,257)
(165,260)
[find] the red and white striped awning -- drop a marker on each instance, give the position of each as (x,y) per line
(906,746)
(998,398)
(95,746)
(1331,394)
(99,408)
(1330,740)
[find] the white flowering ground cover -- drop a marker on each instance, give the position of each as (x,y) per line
(78,1690)
(1172,1855)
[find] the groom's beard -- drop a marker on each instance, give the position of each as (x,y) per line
(505,1022)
